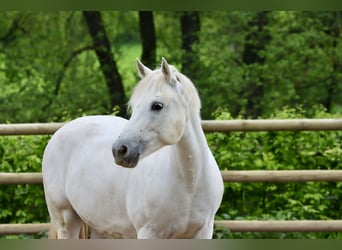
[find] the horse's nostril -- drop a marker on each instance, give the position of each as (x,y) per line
(122,151)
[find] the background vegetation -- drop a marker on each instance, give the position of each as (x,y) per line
(56,66)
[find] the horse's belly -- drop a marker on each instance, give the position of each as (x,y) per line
(101,202)
(106,213)
(97,192)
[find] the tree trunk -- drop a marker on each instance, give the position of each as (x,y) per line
(148,38)
(106,59)
(190,27)
(255,41)
(335,32)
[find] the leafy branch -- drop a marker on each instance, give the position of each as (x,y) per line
(61,74)
(66,64)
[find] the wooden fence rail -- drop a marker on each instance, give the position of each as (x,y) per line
(29,128)
(228,176)
(29,228)
(273,125)
(208,126)
(20,178)
(281,175)
(281,226)
(232,225)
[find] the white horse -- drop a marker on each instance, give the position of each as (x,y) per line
(168,184)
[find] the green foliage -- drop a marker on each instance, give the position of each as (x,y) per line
(301,57)
(37,83)
(285,150)
(49,72)
(22,203)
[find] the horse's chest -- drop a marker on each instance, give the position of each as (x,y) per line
(177,211)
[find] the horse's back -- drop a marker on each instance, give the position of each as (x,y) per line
(77,133)
(89,126)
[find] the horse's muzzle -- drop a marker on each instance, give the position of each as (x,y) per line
(126,155)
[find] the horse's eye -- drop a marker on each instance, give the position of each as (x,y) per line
(156,106)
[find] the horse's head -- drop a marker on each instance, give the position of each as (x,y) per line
(161,104)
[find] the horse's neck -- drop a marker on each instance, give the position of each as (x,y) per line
(193,152)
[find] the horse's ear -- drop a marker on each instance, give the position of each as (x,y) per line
(166,70)
(142,69)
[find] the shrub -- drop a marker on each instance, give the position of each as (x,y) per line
(286,150)
(22,203)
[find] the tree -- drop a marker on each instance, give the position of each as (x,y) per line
(11,32)
(255,42)
(106,59)
(334,31)
(190,27)
(148,38)
(251,63)
(302,61)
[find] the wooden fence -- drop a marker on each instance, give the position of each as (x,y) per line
(228,176)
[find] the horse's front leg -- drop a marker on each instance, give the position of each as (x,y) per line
(149,231)
(206,232)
